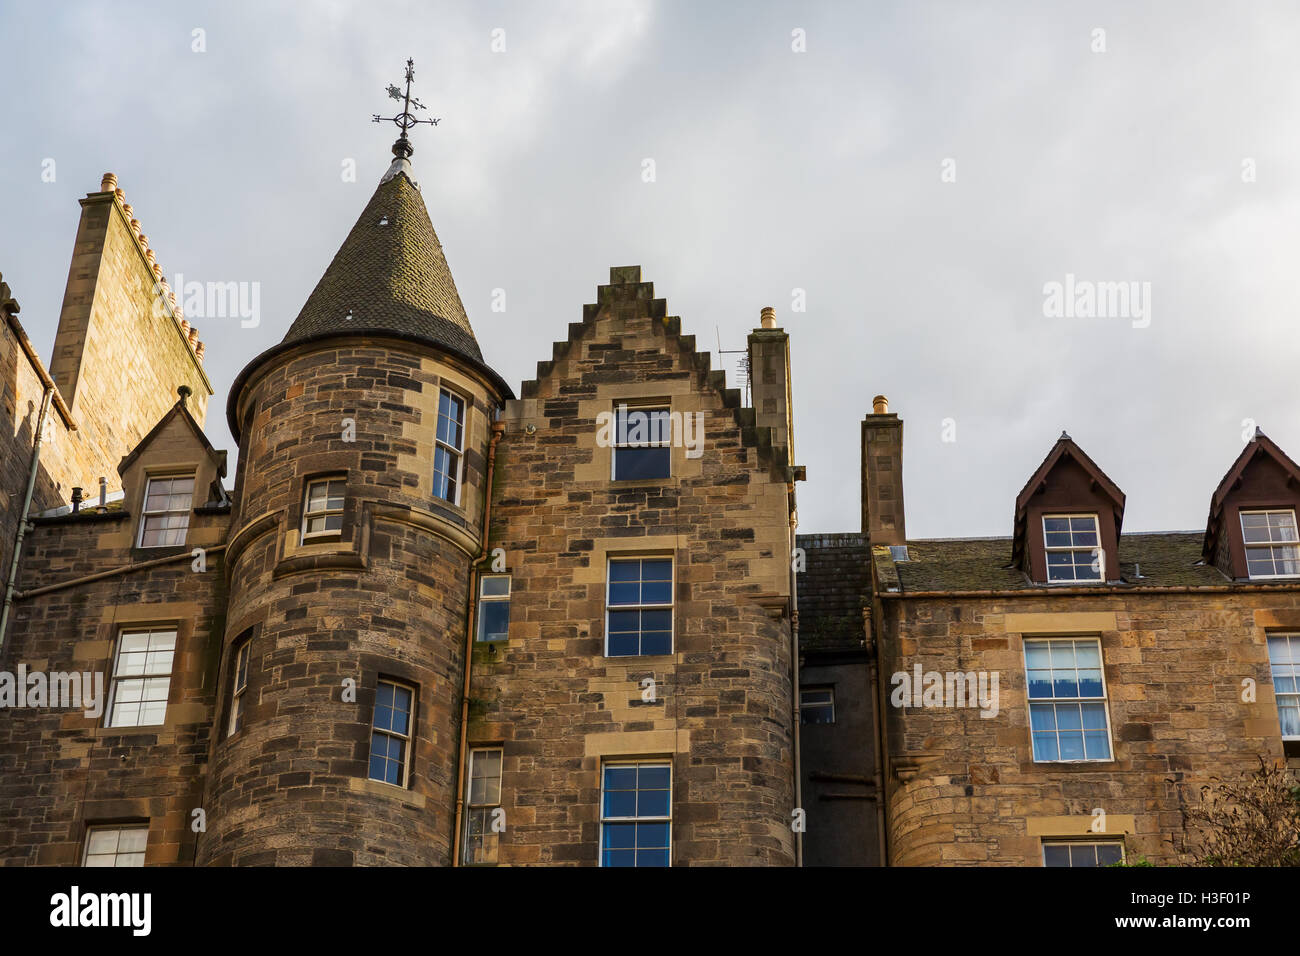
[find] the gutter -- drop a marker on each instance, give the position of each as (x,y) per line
(22,515)
(1094,591)
(498,429)
(113,572)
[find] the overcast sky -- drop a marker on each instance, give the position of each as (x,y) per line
(775,170)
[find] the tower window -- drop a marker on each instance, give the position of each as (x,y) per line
(1082,853)
(1067,700)
(639,619)
(449,446)
(636,814)
(494,607)
(115,846)
(322,513)
(166,513)
(484,799)
(1272,545)
(142,677)
(642,443)
(390,738)
(238,684)
(1284,656)
(1073,549)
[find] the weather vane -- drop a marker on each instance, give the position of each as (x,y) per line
(405,119)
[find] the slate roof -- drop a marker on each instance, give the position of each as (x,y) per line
(390,275)
(1167,559)
(832,591)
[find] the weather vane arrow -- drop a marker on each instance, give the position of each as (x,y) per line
(406,119)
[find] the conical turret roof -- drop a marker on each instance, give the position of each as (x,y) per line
(390,275)
(389,278)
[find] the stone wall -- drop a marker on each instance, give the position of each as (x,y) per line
(721,711)
(62,771)
(387,598)
(965,789)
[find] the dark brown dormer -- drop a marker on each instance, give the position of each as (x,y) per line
(1251,532)
(1068,518)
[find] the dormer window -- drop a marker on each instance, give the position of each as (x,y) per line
(1272,544)
(166,512)
(1073,549)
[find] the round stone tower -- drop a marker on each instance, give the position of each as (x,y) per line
(363,440)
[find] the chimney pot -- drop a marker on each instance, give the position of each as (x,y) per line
(185,327)
(880,405)
(108,183)
(194,336)
(768,317)
(121,196)
(76,499)
(198,351)
(103,492)
(126,208)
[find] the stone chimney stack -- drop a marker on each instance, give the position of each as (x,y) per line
(882,475)
(769,382)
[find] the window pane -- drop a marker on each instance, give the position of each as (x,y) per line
(495,585)
(493,620)
(632,464)
(1045,747)
(1056,855)
(1109,854)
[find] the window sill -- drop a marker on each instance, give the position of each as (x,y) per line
(641,482)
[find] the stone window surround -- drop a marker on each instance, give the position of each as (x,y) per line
(1067,633)
(471,806)
(622,554)
(642,404)
(110,689)
(410,738)
(92,827)
(637,761)
(243,643)
(306,536)
(467,406)
(1096,840)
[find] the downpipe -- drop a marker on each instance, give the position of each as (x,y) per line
(22,516)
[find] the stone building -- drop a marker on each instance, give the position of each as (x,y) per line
(435,623)
(1057,697)
(431,622)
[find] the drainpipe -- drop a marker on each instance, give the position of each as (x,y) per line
(498,429)
(794,656)
(872,615)
(22,515)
